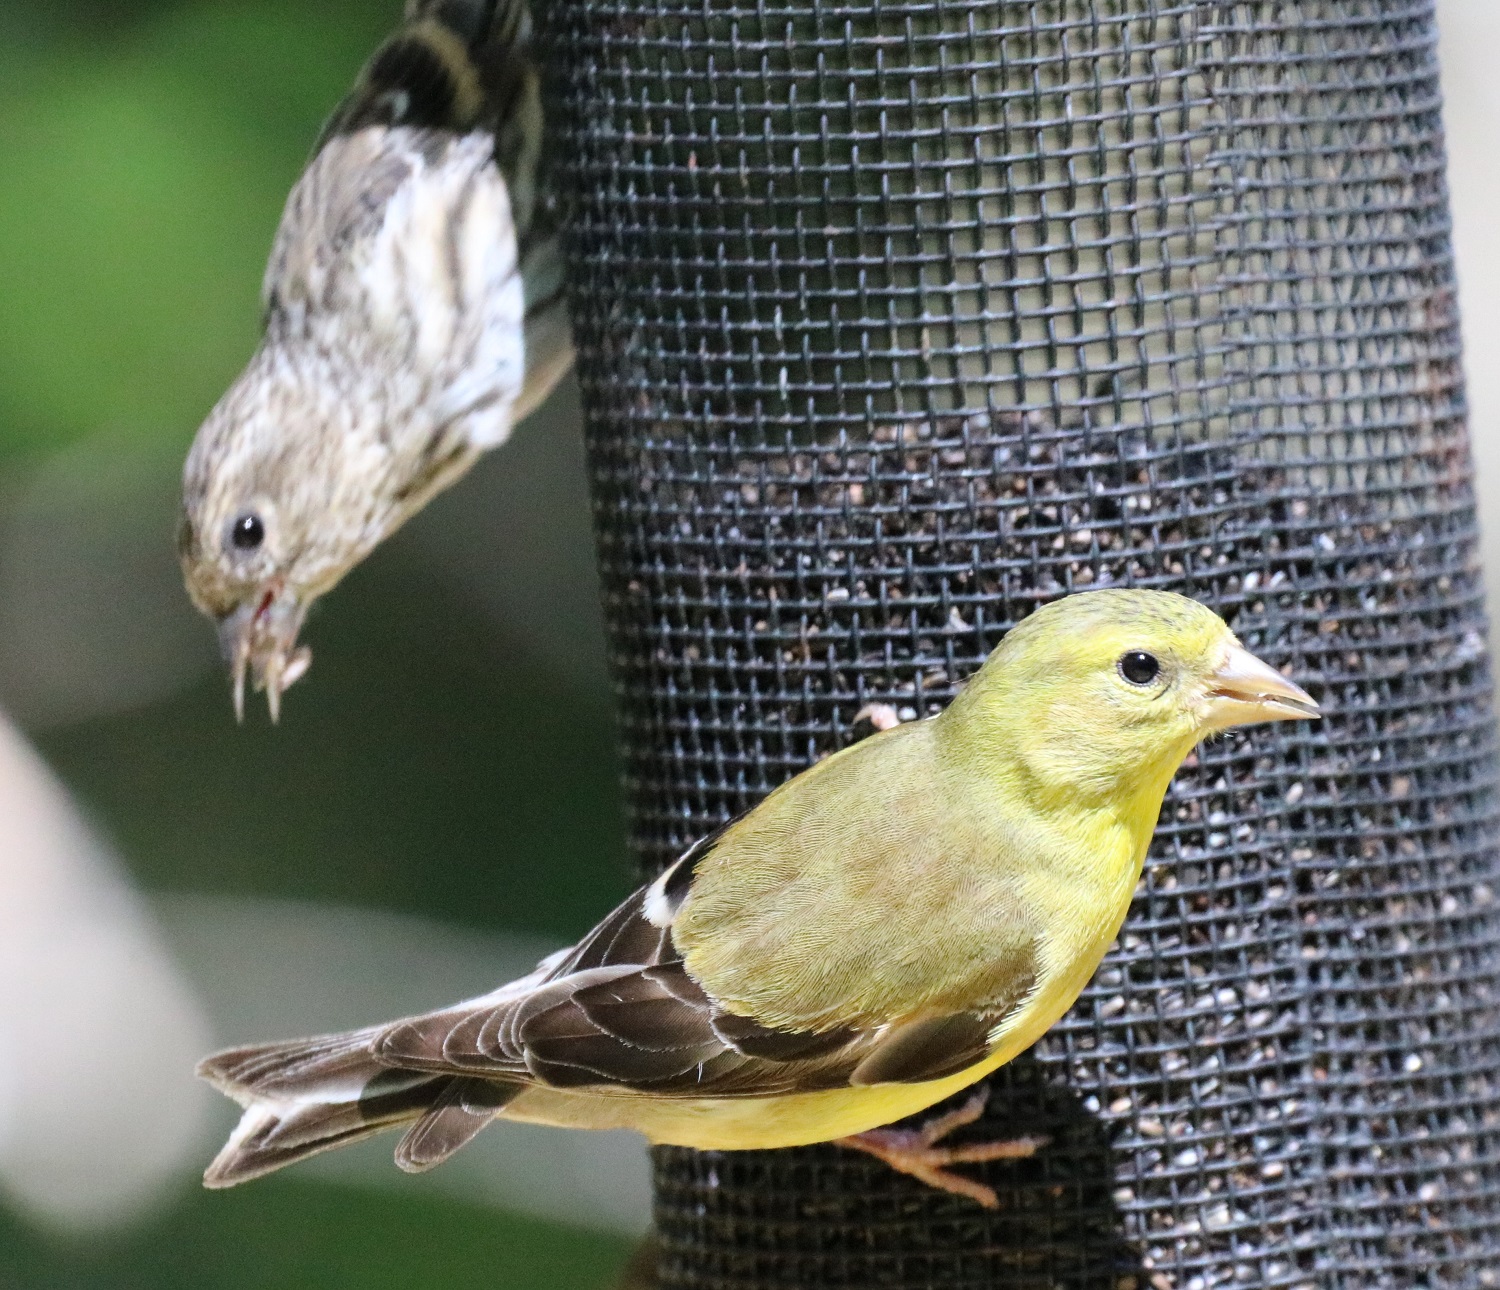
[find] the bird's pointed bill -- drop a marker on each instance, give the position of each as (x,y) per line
(259,641)
(1244,691)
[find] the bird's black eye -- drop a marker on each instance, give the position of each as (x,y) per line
(1139,667)
(247,532)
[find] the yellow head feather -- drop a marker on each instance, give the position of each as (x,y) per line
(1097,694)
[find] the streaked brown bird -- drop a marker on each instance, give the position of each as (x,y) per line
(413,314)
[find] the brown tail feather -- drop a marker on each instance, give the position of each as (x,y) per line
(309,1096)
(451,1121)
(330,1066)
(271,1136)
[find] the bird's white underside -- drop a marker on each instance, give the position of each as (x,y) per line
(440,281)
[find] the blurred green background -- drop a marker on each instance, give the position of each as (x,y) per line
(451,755)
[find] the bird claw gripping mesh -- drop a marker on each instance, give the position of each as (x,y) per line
(898,319)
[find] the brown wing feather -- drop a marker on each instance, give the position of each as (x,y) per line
(621,1010)
(926,1049)
(625,937)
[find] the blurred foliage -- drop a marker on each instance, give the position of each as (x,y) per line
(432,763)
(144,166)
(279,1241)
(424,766)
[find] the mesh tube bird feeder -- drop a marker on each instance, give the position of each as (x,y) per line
(898,319)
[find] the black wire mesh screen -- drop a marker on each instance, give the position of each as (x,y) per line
(897,319)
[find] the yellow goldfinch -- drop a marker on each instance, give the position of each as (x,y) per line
(883,930)
(413,314)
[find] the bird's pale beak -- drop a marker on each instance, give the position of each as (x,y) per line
(1244,691)
(260,638)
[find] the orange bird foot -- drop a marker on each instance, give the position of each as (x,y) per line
(916,1151)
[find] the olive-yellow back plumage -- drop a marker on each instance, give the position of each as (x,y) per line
(884,929)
